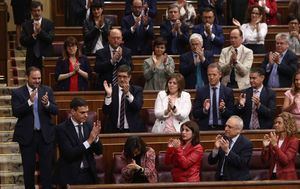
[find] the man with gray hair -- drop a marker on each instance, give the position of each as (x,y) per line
(193,64)
(232,151)
(280,65)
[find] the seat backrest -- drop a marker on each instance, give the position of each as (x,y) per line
(100,168)
(118,165)
(163,170)
(208,171)
(112,18)
(258,169)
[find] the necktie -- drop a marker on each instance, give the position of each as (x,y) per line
(215,107)
(37,124)
(199,82)
(122,112)
(174,43)
(232,74)
(81,140)
(115,78)
(254,116)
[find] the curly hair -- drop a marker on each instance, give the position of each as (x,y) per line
(289,123)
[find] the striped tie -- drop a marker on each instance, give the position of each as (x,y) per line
(114,77)
(254,116)
(122,112)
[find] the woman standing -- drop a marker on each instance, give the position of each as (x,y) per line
(185,154)
(270,8)
(280,148)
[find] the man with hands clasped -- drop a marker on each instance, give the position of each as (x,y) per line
(232,152)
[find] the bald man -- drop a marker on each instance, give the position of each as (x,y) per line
(236,61)
(110,58)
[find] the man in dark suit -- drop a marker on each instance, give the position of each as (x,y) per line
(137,30)
(78,140)
(216,6)
(33,104)
(214,102)
(232,152)
(236,9)
(193,64)
(122,104)
(257,104)
(281,65)
(37,36)
(149,7)
(175,32)
(213,38)
(110,58)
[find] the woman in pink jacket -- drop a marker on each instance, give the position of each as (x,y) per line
(185,154)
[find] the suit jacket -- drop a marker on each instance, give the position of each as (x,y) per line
(180,40)
(188,68)
(132,111)
(104,66)
(286,69)
(140,40)
(72,151)
(236,166)
(265,112)
(77,12)
(284,157)
(218,8)
(183,105)
(91,35)
(62,67)
(214,46)
(204,93)
(151,4)
(23,133)
(237,9)
(45,39)
(242,68)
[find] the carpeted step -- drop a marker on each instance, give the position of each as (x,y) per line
(5,100)
(8,177)
(7,123)
(9,148)
(13,186)
(6,136)
(5,111)
(11,162)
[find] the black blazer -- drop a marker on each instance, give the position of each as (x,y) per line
(189,70)
(140,41)
(236,166)
(72,151)
(218,8)
(62,67)
(132,111)
(286,69)
(204,93)
(104,67)
(151,4)
(181,40)
(91,35)
(265,112)
(23,133)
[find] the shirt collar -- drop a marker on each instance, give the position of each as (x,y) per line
(75,123)
(29,88)
(39,21)
(259,89)
(235,138)
(217,86)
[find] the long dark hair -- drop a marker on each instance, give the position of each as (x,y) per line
(195,130)
(132,143)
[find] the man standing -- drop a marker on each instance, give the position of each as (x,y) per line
(232,152)
(214,102)
(122,104)
(137,30)
(37,36)
(213,37)
(280,65)
(294,36)
(33,104)
(149,8)
(111,57)
(257,104)
(236,61)
(78,140)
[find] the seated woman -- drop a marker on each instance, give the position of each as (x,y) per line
(280,148)
(172,106)
(291,101)
(255,30)
(187,12)
(95,29)
(270,8)
(185,154)
(139,160)
(72,69)
(158,67)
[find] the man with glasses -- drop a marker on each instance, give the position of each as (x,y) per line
(294,36)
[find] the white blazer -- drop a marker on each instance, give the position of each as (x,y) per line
(183,105)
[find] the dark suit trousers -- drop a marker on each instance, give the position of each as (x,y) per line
(45,153)
(34,61)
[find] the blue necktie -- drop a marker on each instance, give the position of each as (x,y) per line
(37,124)
(199,82)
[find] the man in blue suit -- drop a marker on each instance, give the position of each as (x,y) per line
(214,103)
(33,104)
(137,30)
(213,37)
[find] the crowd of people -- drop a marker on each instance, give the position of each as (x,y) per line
(214,107)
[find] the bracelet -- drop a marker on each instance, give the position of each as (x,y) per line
(173,108)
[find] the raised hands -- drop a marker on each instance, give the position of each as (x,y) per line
(221,142)
(45,99)
(222,105)
(208,29)
(236,22)
(175,143)
(117,55)
(206,104)
(270,138)
(242,99)
(274,57)
(233,58)
(107,88)
(266,140)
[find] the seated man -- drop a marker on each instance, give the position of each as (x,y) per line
(193,64)
(280,65)
(214,102)
(232,152)
(78,140)
(110,58)
(137,30)
(294,36)
(174,31)
(212,34)
(236,61)
(257,104)
(122,104)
